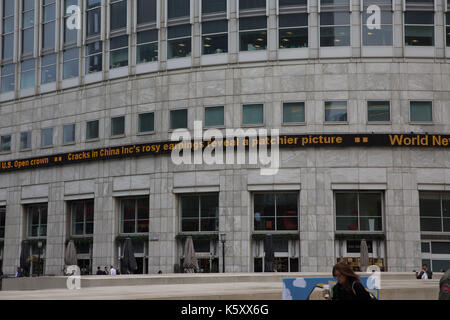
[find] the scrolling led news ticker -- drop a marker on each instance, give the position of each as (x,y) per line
(284,141)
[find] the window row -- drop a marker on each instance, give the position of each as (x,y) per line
(360,211)
(334,28)
(252,114)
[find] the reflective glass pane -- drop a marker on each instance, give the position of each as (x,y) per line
(70,36)
(419,17)
(8,46)
(25,140)
(294,38)
(209,205)
(334,36)
(28,19)
(255,40)
(189,224)
(346,204)
(201,245)
(147,53)
(8,8)
(264,205)
(69,133)
(49,13)
(8,83)
(118,58)
(293,112)
(27,79)
(147,36)
(214,116)
(92,130)
(378,111)
(94,63)
(293,20)
(178,8)
(377,37)
(286,204)
(48,74)
(419,35)
(8,25)
(48,36)
(440,247)
(213,44)
(287,223)
(421,111)
(129,226)
(217,26)
(178,119)
(143,208)
(118,18)
(334,18)
(430,204)
(179,31)
(431,224)
(292,2)
(70,69)
(251,4)
(253,23)
(253,114)
(371,224)
(93,22)
(344,223)
(210,6)
(189,206)
(117,126)
(47,137)
(146,122)
(370,204)
(208,224)
(146,11)
(129,209)
(28,41)
(336,111)
(5,143)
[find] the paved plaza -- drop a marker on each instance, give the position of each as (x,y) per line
(236,286)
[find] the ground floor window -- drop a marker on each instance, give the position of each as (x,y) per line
(436,255)
(37,258)
(84,256)
(140,253)
(348,251)
(207,254)
(286,253)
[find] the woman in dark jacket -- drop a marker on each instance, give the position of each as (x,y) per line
(349,287)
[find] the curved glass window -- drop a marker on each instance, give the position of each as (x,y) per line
(419,28)
(293,30)
(253,33)
(334,29)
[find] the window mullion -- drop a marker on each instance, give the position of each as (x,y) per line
(135,215)
(199,213)
(359,220)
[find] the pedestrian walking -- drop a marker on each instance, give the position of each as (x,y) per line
(349,287)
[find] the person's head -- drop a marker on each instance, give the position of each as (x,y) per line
(344,274)
(111,267)
(424,267)
(159,272)
(98,268)
(106,267)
